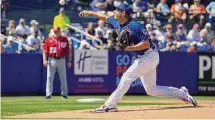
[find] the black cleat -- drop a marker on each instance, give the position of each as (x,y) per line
(48,97)
(64,97)
(103,110)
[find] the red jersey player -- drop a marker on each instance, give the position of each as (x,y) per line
(55,49)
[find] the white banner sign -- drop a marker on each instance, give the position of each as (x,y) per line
(91,62)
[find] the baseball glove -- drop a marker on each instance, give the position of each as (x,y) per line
(124,39)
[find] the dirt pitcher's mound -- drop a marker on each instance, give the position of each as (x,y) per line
(203,111)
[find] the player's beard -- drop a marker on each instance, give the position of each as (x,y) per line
(116,17)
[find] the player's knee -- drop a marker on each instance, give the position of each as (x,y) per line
(151,92)
(125,75)
(126,78)
(125,82)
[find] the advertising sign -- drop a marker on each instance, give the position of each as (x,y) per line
(206,74)
(91,62)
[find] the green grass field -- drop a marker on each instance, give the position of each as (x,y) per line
(38,104)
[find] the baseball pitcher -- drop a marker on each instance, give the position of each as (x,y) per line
(55,49)
(134,37)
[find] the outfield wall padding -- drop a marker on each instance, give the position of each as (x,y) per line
(24,73)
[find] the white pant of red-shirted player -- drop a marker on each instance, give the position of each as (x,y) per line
(56,65)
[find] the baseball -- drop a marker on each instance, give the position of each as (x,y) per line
(61,2)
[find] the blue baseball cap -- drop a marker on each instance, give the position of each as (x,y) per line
(125,7)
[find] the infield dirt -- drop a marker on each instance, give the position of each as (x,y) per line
(205,110)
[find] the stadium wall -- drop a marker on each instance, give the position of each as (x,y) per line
(95,72)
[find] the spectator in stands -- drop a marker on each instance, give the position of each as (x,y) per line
(211,11)
(193,47)
(197,12)
(178,11)
(152,3)
(168,47)
(100,36)
(9,48)
(149,28)
(100,29)
(169,35)
(34,26)
(194,34)
(4,5)
(185,4)
(90,30)
(22,29)
(154,39)
(213,44)
(10,30)
(207,34)
(159,33)
(163,10)
(3,29)
(2,48)
(178,47)
(109,39)
(22,48)
(61,20)
(173,48)
(51,32)
(139,7)
(34,40)
(99,5)
(67,34)
(150,17)
(111,36)
(180,34)
(84,45)
(3,39)
(118,2)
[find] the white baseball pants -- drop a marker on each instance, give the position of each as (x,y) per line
(58,65)
(145,68)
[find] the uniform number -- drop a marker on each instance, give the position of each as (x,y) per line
(52,49)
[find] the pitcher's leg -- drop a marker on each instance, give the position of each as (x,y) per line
(61,69)
(149,82)
(128,77)
(120,91)
(140,66)
(51,69)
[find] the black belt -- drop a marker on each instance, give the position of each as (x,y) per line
(58,57)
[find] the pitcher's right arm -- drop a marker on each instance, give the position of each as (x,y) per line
(92,13)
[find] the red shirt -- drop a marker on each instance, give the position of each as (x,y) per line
(192,49)
(56,47)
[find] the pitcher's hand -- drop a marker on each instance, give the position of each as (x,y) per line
(84,13)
